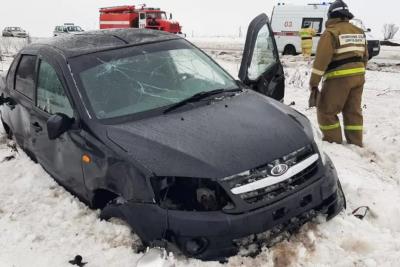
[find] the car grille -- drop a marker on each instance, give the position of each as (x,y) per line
(259,187)
(274,191)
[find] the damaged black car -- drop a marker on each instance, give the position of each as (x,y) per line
(148,128)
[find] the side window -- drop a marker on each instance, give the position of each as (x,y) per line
(263,55)
(50,92)
(316,23)
(25,76)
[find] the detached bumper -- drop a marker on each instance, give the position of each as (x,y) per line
(213,234)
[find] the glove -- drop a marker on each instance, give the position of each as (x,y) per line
(312,101)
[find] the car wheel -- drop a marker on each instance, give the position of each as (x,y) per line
(289,50)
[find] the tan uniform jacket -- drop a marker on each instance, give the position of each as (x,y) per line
(341,41)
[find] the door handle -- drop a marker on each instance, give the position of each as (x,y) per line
(37,127)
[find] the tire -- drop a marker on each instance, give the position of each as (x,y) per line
(289,50)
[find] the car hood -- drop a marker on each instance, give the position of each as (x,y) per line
(213,141)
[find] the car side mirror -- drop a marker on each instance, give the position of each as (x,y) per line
(170,16)
(58,124)
(368,30)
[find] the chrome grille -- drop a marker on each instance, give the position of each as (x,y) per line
(271,192)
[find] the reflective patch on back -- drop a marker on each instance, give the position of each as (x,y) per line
(354,39)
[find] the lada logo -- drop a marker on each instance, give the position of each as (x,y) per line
(279,169)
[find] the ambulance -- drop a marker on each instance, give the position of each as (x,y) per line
(287,20)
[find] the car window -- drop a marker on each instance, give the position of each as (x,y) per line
(25,76)
(316,23)
(263,55)
(51,96)
(133,80)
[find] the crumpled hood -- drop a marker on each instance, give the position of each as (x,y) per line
(213,141)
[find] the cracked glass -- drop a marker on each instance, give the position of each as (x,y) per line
(138,79)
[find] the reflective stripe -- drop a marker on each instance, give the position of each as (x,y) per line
(350,49)
(318,72)
(339,8)
(352,39)
(329,127)
(340,73)
(114,22)
(354,127)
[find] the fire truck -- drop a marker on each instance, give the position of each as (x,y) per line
(138,17)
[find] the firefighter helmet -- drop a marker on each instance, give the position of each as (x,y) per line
(339,9)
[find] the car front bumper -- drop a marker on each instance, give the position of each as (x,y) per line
(218,232)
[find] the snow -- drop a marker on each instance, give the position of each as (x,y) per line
(41,224)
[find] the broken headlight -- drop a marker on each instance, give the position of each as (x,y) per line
(189,194)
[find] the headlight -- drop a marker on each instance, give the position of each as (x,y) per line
(320,144)
(189,194)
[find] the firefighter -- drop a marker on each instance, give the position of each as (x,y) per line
(340,62)
(307,33)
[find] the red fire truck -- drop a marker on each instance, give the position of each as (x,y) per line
(137,17)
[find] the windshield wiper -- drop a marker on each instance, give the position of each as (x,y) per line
(199,96)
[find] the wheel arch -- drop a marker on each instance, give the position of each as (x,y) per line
(289,49)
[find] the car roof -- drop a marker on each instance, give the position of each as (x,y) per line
(95,41)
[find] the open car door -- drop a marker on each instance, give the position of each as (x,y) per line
(261,68)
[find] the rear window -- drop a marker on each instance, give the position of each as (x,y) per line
(25,76)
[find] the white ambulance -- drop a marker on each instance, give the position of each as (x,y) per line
(287,20)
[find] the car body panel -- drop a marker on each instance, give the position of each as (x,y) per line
(191,143)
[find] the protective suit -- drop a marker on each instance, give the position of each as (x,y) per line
(340,63)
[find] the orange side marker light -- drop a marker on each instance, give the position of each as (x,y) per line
(86,159)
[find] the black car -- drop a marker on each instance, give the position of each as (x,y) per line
(146,127)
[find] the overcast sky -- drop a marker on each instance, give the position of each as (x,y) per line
(202,17)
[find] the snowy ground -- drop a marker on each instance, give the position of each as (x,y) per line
(43,225)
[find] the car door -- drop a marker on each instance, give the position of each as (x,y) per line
(261,68)
(20,86)
(60,157)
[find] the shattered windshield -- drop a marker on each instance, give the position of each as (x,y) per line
(137,79)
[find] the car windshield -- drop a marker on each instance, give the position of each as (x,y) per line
(156,15)
(15,29)
(137,79)
(74,29)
